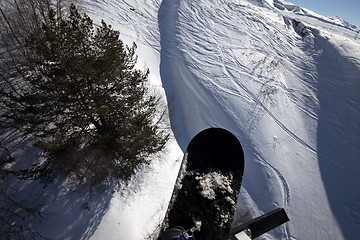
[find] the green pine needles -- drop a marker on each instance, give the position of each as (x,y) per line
(81,95)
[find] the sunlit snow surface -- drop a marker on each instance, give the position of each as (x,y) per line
(291,100)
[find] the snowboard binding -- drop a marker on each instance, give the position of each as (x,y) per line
(178,233)
(187,235)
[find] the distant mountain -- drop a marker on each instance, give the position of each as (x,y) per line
(342,22)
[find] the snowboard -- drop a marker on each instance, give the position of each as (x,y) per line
(206,191)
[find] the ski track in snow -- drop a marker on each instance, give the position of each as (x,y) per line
(248,94)
(278,122)
(239,53)
(285,185)
(229,68)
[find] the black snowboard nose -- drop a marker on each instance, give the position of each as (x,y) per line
(215,148)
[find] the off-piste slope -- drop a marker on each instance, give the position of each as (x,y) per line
(287,91)
(284,80)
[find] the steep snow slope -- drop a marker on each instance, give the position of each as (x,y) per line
(287,91)
(136,211)
(290,99)
(69,211)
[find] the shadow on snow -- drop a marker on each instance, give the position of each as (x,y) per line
(338,135)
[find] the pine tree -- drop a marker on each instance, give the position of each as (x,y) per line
(83,98)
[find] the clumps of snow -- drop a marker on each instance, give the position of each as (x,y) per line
(197,225)
(230,200)
(178,186)
(213,181)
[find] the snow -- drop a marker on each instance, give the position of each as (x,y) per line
(291,100)
(135,212)
(211,181)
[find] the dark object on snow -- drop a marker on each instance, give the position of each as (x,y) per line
(262,224)
(172,233)
(132,9)
(177,233)
(207,188)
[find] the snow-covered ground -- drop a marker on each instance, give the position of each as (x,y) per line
(288,90)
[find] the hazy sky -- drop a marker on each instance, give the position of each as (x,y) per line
(349,10)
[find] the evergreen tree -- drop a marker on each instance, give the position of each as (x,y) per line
(82,96)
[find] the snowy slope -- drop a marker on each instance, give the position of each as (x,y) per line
(291,100)
(288,90)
